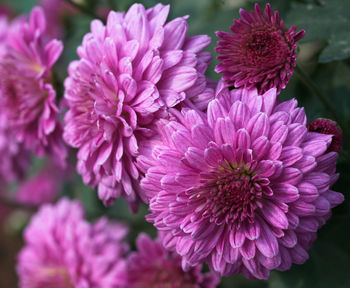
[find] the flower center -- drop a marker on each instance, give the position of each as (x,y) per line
(265,48)
(260,44)
(232,195)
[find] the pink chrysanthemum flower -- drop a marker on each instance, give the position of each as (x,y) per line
(26,92)
(63,250)
(329,127)
(245,190)
(260,53)
(153,266)
(130,71)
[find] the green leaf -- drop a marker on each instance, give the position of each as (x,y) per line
(21,6)
(324,20)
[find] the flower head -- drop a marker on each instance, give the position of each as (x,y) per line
(26,92)
(153,266)
(129,73)
(244,190)
(260,52)
(328,127)
(63,250)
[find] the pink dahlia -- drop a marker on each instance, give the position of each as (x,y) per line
(26,90)
(63,250)
(130,71)
(244,190)
(329,127)
(153,266)
(260,52)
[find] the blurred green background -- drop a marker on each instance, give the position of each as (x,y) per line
(323,55)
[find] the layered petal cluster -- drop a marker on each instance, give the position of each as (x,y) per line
(260,52)
(129,73)
(244,189)
(26,92)
(153,266)
(63,250)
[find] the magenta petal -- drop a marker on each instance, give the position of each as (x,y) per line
(290,155)
(248,250)
(54,50)
(37,20)
(299,255)
(175,32)
(213,156)
(334,198)
(274,215)
(270,263)
(308,192)
(179,79)
(267,243)
(286,192)
(197,43)
(252,230)
(258,126)
(236,239)
(289,239)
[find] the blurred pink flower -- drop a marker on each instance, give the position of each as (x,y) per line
(63,250)
(130,72)
(43,187)
(153,266)
(26,92)
(260,52)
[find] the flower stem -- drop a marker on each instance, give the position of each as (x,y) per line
(317,92)
(84,10)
